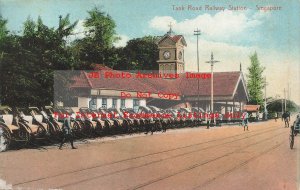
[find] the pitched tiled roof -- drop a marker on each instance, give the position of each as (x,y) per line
(130,84)
(176,38)
(224,83)
(80,80)
(251,108)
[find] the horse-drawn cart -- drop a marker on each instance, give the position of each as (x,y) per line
(295,129)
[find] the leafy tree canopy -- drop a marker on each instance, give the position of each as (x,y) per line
(255,80)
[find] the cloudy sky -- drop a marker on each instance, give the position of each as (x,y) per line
(231,35)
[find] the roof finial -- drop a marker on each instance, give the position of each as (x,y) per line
(170,30)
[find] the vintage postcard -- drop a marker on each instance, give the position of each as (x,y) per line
(149,94)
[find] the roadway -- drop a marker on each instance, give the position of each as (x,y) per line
(191,158)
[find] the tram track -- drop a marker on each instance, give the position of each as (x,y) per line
(204,163)
(255,133)
(238,166)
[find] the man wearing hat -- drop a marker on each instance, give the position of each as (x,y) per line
(245,117)
(286,117)
(67,132)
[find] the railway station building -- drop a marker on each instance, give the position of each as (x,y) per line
(170,87)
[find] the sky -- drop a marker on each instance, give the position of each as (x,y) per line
(232,35)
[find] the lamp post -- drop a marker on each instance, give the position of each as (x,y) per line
(212,61)
(197,33)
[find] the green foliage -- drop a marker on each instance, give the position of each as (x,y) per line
(97,45)
(277,105)
(3,29)
(255,82)
(28,61)
(101,27)
(140,54)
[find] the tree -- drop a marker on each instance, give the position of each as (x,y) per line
(140,54)
(276,106)
(29,62)
(3,28)
(255,82)
(97,45)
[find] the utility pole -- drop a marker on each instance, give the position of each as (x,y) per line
(281,106)
(212,61)
(284,100)
(288,92)
(197,33)
(266,111)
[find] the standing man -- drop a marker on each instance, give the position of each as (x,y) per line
(245,117)
(286,117)
(67,132)
(208,117)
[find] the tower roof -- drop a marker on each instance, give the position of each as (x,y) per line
(174,38)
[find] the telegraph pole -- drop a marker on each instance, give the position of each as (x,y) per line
(289,92)
(281,106)
(197,33)
(284,100)
(266,112)
(212,61)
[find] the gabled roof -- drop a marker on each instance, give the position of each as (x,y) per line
(225,84)
(80,81)
(174,38)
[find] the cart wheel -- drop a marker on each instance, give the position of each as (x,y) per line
(51,129)
(55,131)
(5,138)
(98,130)
(87,129)
(24,135)
(292,137)
(41,132)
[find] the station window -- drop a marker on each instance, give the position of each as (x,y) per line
(104,102)
(114,103)
(122,103)
(136,104)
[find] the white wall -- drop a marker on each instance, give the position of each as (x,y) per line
(84,102)
(142,102)
(128,103)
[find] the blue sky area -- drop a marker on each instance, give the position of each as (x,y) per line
(132,16)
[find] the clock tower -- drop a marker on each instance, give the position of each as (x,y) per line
(171,53)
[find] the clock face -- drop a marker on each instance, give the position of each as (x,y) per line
(167,54)
(180,55)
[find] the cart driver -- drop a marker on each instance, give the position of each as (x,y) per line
(286,117)
(67,132)
(245,117)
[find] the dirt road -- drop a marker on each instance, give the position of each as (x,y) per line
(192,158)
